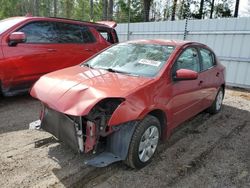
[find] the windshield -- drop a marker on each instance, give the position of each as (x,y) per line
(8,23)
(134,59)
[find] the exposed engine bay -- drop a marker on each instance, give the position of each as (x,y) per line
(91,133)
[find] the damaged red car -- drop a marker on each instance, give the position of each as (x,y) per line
(123,101)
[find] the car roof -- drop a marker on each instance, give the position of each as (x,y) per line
(165,42)
(61,19)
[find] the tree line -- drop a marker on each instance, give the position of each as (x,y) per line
(121,10)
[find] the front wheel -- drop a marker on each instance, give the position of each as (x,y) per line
(144,142)
(217,104)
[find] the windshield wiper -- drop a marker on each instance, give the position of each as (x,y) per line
(113,70)
(121,72)
(87,65)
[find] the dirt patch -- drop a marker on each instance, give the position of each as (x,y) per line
(207,151)
(17,112)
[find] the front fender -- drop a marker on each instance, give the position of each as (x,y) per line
(131,110)
(126,111)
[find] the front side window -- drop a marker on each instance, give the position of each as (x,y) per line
(40,32)
(188,60)
(207,59)
(130,58)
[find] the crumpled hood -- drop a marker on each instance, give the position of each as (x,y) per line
(76,90)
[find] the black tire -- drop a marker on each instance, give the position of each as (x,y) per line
(148,123)
(1,93)
(214,108)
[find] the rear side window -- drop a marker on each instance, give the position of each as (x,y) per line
(188,60)
(207,59)
(87,35)
(40,32)
(71,33)
(68,33)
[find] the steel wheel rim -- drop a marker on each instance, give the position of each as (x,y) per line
(219,100)
(148,143)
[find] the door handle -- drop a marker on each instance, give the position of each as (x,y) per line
(89,50)
(200,82)
(51,50)
(217,74)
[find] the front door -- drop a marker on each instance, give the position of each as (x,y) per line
(186,95)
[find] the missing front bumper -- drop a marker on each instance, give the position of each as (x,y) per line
(63,128)
(68,129)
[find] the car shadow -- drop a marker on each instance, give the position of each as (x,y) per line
(17,112)
(74,173)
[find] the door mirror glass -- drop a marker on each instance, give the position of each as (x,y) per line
(16,37)
(185,74)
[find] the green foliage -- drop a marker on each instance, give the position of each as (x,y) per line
(223,9)
(122,11)
(184,9)
(76,9)
(9,8)
(80,9)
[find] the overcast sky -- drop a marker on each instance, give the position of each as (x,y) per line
(244,9)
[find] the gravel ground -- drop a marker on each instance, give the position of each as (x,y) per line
(207,151)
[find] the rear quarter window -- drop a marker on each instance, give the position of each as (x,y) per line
(106,34)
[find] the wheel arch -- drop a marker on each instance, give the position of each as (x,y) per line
(162,117)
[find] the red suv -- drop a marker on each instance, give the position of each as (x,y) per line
(33,46)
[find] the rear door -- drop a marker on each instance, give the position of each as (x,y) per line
(76,43)
(210,75)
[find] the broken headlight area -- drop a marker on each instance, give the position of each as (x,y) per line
(82,133)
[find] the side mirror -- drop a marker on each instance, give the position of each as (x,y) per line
(185,74)
(16,37)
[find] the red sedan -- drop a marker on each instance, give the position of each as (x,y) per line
(121,102)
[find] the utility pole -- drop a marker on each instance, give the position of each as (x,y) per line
(236,9)
(128,20)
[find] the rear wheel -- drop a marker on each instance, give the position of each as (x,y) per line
(217,104)
(144,142)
